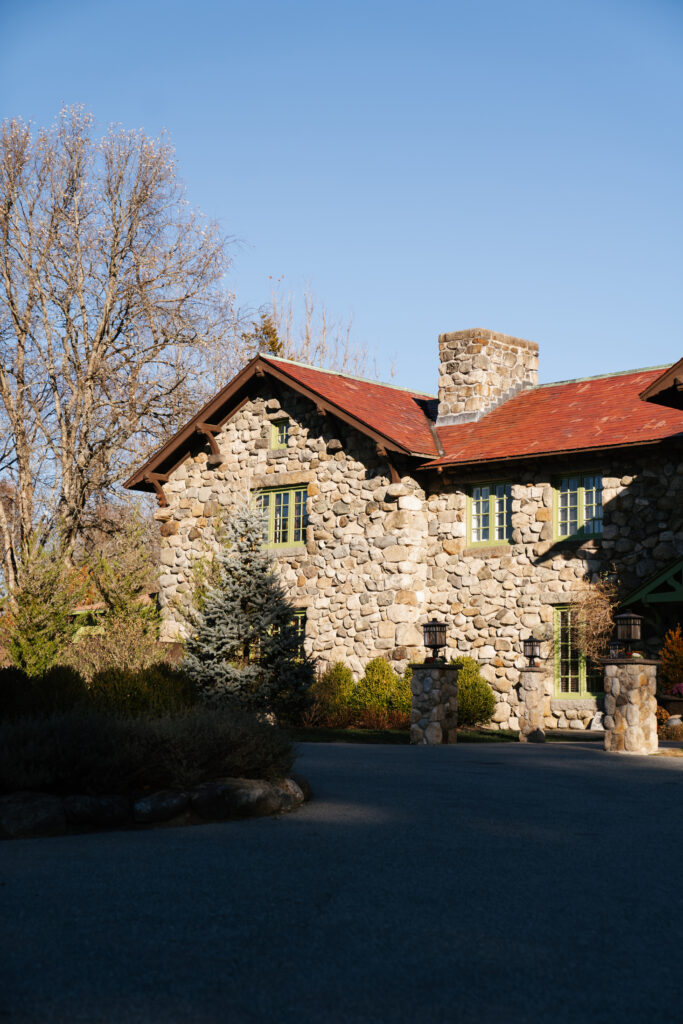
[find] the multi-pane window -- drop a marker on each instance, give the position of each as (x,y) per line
(285,516)
(574,675)
(490,514)
(280,434)
(579,505)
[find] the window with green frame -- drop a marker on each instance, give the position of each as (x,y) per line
(285,515)
(578,506)
(489,514)
(279,433)
(574,675)
(299,623)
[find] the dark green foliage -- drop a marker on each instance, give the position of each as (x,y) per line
(154,691)
(332,690)
(244,645)
(476,699)
(58,689)
(39,623)
(91,752)
(381,689)
(157,690)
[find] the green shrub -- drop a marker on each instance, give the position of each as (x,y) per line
(58,689)
(159,689)
(382,699)
(90,752)
(331,692)
(476,700)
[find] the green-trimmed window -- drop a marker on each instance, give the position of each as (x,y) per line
(279,433)
(285,512)
(574,675)
(578,506)
(299,623)
(489,514)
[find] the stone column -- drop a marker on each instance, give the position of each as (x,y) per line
(630,705)
(532,701)
(434,717)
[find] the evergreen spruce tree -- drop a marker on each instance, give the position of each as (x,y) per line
(244,644)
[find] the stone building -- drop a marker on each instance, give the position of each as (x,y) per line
(485,506)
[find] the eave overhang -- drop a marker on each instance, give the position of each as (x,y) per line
(440,465)
(213,415)
(667,389)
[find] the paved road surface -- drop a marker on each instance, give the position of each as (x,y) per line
(474,883)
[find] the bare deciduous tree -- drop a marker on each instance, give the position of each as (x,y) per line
(111,293)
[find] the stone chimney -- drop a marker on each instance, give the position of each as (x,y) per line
(479,370)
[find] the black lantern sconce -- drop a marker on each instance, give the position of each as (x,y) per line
(629,630)
(434,637)
(532,651)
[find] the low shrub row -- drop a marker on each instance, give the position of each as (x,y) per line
(382,699)
(94,752)
(159,689)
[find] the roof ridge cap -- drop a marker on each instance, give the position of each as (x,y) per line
(600,376)
(339,373)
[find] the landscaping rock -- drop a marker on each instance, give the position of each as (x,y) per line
(292,794)
(236,798)
(98,811)
(31,814)
(304,785)
(160,806)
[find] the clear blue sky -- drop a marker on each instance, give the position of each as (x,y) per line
(426,166)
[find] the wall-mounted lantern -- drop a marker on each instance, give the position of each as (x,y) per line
(532,651)
(629,629)
(434,636)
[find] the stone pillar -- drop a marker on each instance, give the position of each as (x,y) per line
(434,717)
(630,705)
(532,701)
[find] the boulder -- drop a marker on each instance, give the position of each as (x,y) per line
(31,814)
(98,811)
(160,806)
(236,798)
(304,785)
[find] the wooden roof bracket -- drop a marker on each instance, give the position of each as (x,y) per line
(383,454)
(156,480)
(209,430)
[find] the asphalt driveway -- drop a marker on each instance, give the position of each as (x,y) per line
(473,883)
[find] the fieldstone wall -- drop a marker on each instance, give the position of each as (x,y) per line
(434,716)
(630,706)
(479,369)
(382,557)
(494,597)
(360,575)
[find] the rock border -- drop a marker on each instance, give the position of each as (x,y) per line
(27,815)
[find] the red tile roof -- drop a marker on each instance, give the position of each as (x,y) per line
(602,412)
(579,415)
(398,414)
